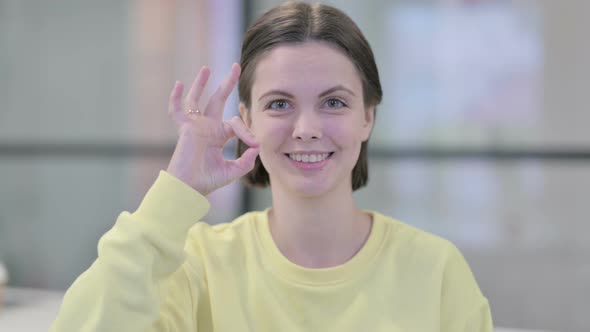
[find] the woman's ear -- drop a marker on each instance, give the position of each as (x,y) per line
(245,115)
(368,123)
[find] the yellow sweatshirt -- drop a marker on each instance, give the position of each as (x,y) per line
(160,270)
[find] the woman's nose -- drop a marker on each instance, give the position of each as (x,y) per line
(307,126)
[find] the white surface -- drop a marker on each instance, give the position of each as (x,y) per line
(3,274)
(29,310)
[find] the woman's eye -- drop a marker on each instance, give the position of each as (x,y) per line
(335,103)
(280,104)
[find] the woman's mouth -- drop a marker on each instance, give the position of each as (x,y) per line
(309,160)
(309,157)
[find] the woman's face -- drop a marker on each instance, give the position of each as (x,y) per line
(308,115)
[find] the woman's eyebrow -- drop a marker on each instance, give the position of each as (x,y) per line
(277,92)
(336,88)
(288,95)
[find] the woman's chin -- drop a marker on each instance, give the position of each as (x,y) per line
(309,187)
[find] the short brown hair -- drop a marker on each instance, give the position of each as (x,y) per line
(297,22)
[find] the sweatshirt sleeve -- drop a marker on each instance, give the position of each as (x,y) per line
(480,319)
(463,307)
(141,280)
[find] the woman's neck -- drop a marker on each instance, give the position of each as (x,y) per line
(318,232)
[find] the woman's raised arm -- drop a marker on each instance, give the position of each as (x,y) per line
(142,279)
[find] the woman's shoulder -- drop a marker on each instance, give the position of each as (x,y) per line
(407,239)
(241,226)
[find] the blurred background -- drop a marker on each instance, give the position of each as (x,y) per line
(482,136)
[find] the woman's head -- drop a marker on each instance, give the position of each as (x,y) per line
(298,49)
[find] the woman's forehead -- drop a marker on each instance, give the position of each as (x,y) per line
(305,66)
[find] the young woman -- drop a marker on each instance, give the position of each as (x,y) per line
(314,261)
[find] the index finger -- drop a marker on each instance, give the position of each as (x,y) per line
(217,101)
(238,128)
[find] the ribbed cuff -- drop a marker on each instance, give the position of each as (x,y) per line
(171,207)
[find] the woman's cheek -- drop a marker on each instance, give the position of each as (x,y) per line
(274,131)
(269,137)
(343,135)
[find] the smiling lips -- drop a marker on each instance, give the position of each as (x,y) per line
(309,157)
(311,160)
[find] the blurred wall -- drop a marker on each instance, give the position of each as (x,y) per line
(83,127)
(64,83)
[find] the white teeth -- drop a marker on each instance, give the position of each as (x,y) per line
(309,158)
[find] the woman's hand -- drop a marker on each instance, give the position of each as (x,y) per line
(198,157)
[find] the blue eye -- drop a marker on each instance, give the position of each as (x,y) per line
(280,104)
(335,103)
